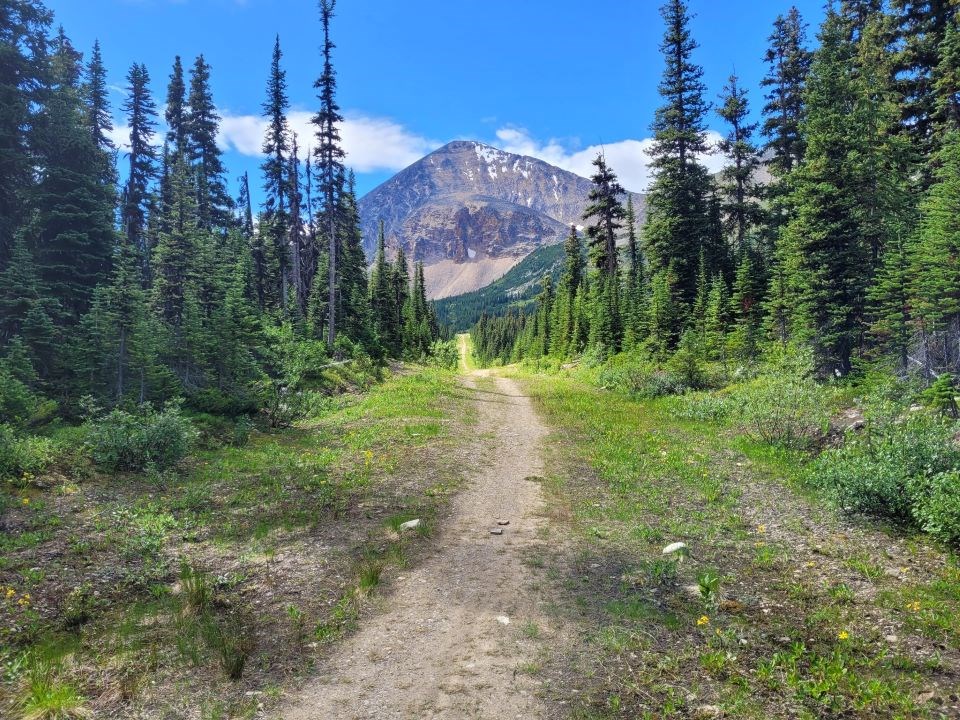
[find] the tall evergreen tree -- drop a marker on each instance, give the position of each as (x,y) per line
(789,62)
(826,255)
(383,300)
(23,64)
(739,206)
(98,111)
(202,122)
(71,225)
(607,215)
(275,167)
(176,111)
(329,157)
(677,224)
(141,118)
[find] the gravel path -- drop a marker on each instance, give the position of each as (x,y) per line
(457,630)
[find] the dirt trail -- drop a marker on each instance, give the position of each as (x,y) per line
(440,647)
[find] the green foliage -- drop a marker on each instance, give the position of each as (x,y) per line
(45,697)
(22,454)
(147,438)
(445,354)
(942,395)
(902,467)
(640,377)
(783,409)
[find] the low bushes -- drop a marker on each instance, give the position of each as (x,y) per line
(902,467)
(24,454)
(782,409)
(121,440)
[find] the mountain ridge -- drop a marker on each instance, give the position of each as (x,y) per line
(470,212)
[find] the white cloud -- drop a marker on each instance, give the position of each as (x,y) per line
(371,143)
(630,158)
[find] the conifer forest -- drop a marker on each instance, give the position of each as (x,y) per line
(697,456)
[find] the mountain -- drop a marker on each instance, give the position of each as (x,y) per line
(471,212)
(516,289)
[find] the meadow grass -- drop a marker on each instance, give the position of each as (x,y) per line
(754,623)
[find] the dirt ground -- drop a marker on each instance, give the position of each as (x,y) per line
(455,632)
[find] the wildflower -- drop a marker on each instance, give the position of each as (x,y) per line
(843,635)
(761,528)
(759,543)
(811,564)
(702,620)
(26,501)
(10,592)
(914,606)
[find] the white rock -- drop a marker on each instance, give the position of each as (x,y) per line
(674,547)
(410,524)
(503,619)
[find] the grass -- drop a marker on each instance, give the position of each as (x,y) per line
(762,620)
(174,577)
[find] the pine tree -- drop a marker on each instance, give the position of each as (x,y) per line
(677,206)
(329,163)
(826,256)
(383,300)
(747,309)
(922,26)
(739,207)
(889,298)
(71,226)
(946,83)
(275,167)
(176,111)
(202,122)
(934,256)
(663,313)
(23,47)
(607,215)
(98,112)
(401,285)
(789,63)
(141,117)
(571,281)
(176,251)
(296,237)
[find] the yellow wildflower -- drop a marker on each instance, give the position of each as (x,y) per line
(26,501)
(761,528)
(702,620)
(843,635)
(914,606)
(10,593)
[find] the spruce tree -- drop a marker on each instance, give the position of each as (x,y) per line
(202,122)
(789,63)
(826,255)
(98,112)
(678,223)
(889,298)
(275,167)
(739,207)
(23,48)
(607,215)
(141,118)
(329,157)
(383,300)
(176,112)
(71,225)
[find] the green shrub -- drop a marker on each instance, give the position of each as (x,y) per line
(942,395)
(639,377)
(905,468)
(937,511)
(126,441)
(445,354)
(782,409)
(24,454)
(701,407)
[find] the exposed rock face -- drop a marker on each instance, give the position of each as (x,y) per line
(470,211)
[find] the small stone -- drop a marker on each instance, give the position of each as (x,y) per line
(503,522)
(503,619)
(707,711)
(891,638)
(925,697)
(410,524)
(677,547)
(496,531)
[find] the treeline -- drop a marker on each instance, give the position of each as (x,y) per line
(161,284)
(851,248)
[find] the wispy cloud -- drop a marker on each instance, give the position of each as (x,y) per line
(371,143)
(629,158)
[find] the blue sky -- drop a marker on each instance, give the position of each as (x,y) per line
(554,79)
